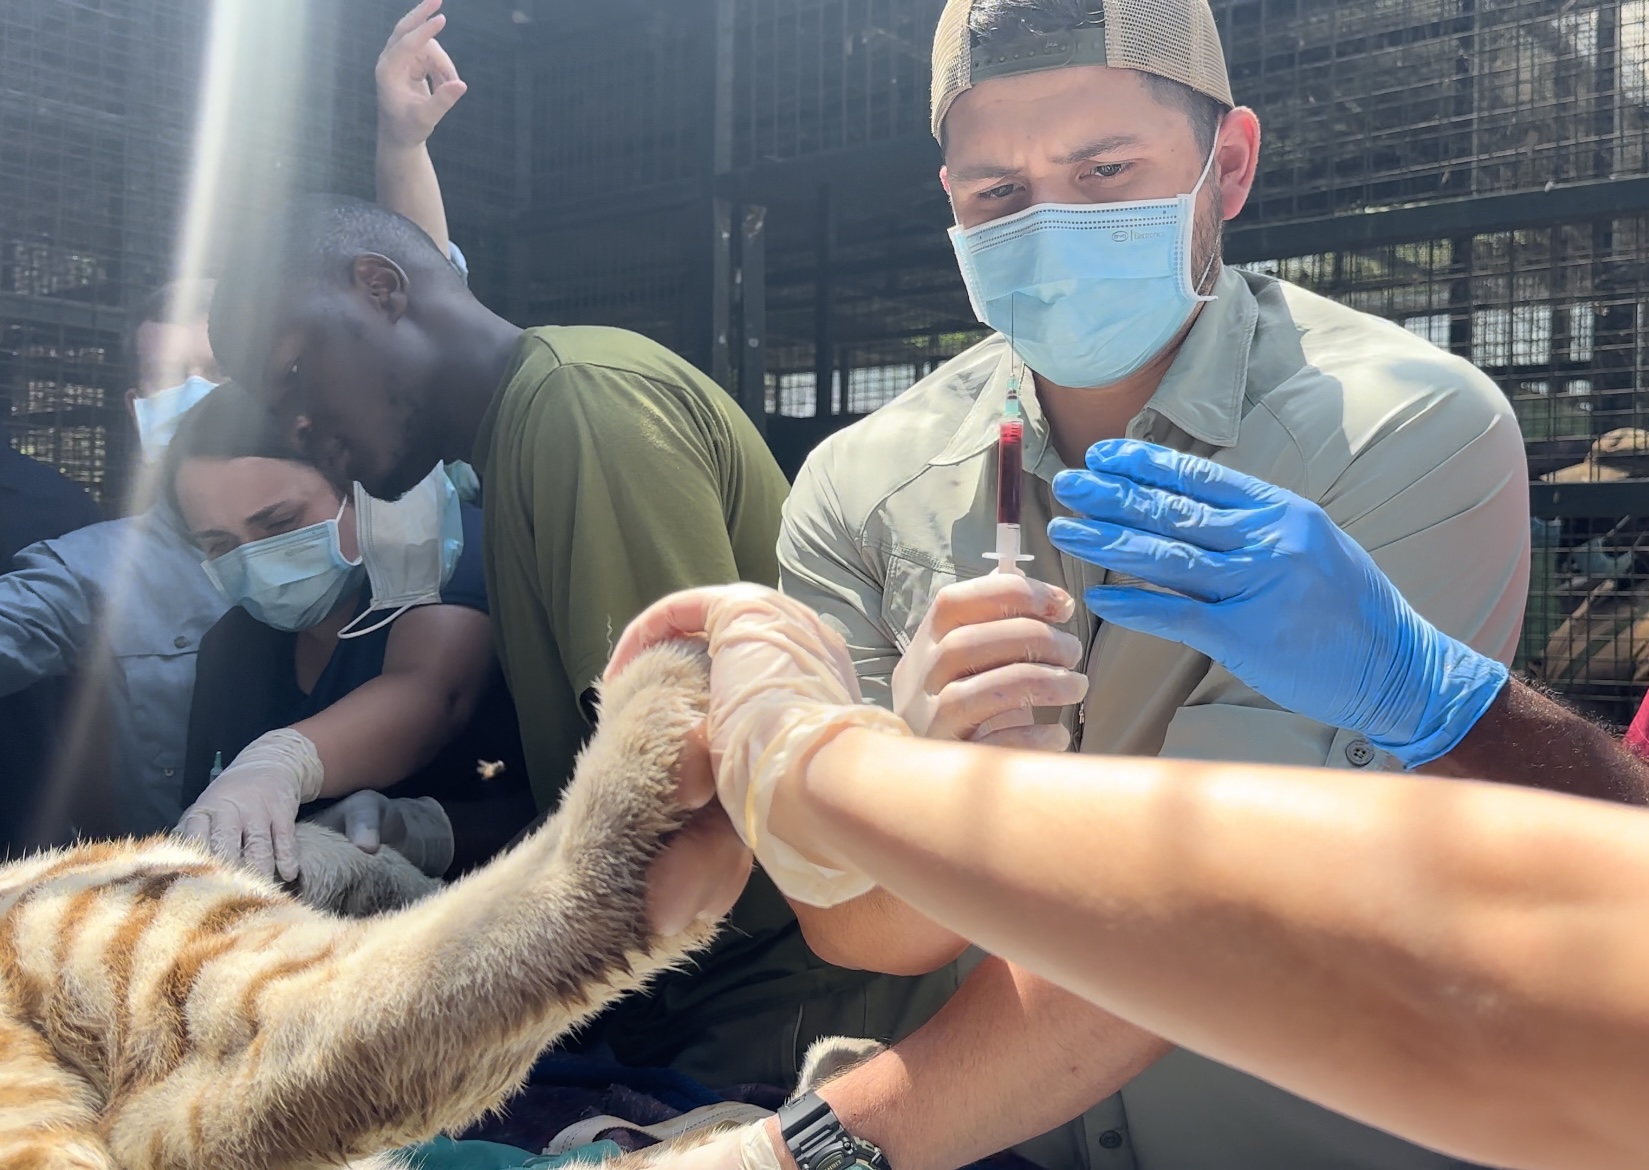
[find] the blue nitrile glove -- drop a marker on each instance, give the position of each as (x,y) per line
(1272,591)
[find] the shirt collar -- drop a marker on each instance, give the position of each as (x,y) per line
(1202,392)
(978,430)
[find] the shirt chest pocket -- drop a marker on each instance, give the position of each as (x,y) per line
(914,578)
(155,671)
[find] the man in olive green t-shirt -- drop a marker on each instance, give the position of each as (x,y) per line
(613,473)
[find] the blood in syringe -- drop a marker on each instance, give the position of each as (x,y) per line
(1009,469)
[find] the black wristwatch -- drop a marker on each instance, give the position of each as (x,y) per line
(816,1139)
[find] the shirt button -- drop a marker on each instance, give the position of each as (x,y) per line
(1359,753)
(168,771)
(1110,1139)
(180,641)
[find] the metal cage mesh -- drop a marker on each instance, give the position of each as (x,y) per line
(583,169)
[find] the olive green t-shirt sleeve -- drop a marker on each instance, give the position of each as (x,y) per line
(639,487)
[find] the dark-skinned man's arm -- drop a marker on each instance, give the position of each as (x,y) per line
(1528,738)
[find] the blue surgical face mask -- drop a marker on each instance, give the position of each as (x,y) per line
(409,546)
(291,581)
(158,414)
(1087,292)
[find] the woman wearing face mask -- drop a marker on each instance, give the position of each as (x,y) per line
(358,661)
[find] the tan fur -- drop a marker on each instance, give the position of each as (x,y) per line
(158,1010)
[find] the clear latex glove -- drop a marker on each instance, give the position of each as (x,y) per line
(985,656)
(247,814)
(781,687)
(1272,590)
(417,81)
(415,827)
(747,1148)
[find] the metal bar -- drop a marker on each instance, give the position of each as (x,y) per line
(720,365)
(1624,497)
(824,340)
(721,62)
(752,282)
(523,193)
(1476,215)
(710,316)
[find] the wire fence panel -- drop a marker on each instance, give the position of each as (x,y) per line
(98,126)
(579,173)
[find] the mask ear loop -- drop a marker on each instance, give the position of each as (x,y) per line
(1207,169)
(346,632)
(339,519)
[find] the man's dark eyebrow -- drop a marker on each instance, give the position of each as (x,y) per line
(1099,146)
(207,534)
(1106,145)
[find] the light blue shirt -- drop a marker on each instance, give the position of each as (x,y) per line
(140,581)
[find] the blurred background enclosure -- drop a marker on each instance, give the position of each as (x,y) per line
(752,183)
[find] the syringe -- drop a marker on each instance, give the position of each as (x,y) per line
(1010,467)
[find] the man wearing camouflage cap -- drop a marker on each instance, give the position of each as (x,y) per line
(1093,150)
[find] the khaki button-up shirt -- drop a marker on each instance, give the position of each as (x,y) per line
(1414,452)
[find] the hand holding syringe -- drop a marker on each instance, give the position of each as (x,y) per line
(1010,470)
(1010,474)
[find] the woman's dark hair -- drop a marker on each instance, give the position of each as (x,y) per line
(229,423)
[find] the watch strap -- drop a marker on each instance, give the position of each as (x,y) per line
(817,1139)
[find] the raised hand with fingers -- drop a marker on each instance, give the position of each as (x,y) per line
(1265,584)
(417,81)
(781,686)
(249,813)
(986,654)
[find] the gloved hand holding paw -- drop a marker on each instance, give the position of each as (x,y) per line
(781,686)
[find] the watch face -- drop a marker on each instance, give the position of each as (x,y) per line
(837,1159)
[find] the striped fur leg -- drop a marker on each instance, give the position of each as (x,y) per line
(47,1117)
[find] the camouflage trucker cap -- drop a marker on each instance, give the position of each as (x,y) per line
(1176,39)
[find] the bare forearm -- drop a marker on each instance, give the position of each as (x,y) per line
(1527,738)
(1479,949)
(381,732)
(1009,1057)
(878,932)
(407,185)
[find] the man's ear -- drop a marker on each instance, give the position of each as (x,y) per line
(1236,160)
(944,177)
(383,281)
(131,409)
